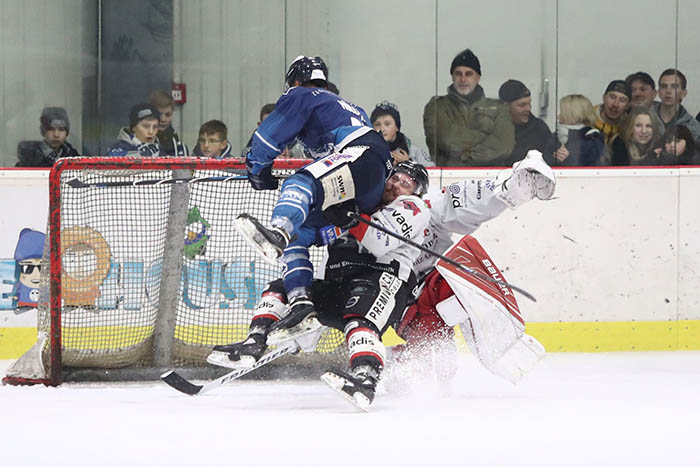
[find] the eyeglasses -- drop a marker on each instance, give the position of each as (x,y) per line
(203,141)
(405,182)
(29,268)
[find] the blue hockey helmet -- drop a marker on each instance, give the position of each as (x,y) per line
(417,172)
(305,69)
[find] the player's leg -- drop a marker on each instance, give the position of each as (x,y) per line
(270,309)
(291,211)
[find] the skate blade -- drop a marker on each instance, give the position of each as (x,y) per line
(306,327)
(255,239)
(221,359)
(336,383)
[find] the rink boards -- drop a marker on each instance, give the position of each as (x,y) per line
(613,260)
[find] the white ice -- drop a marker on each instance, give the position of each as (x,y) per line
(615,409)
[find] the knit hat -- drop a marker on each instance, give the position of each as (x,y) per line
(53,117)
(386,108)
(617,85)
(466,58)
(512,90)
(141,111)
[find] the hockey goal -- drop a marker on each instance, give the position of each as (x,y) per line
(142,267)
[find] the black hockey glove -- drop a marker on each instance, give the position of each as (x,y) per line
(342,215)
(264,180)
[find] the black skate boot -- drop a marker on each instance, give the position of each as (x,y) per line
(270,243)
(242,354)
(358,387)
(300,321)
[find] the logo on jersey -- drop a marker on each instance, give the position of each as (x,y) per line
(412,206)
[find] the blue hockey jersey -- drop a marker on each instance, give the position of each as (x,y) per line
(307,114)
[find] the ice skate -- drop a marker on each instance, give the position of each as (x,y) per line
(242,354)
(270,243)
(358,388)
(299,322)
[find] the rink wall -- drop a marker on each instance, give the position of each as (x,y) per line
(613,260)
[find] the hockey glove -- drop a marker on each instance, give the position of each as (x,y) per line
(343,215)
(264,180)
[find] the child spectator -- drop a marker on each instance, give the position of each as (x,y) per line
(576,142)
(639,143)
(213,140)
(55,127)
(139,139)
(679,146)
(387,121)
(170,144)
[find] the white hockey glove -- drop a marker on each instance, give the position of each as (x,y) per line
(531,178)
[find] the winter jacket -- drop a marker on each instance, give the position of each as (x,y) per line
(415,153)
(170,144)
(682,117)
(40,154)
(196,152)
(534,134)
(467,130)
(650,155)
(585,146)
(128,145)
(609,130)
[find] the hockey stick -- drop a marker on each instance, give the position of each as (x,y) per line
(175,381)
(454,263)
(76,183)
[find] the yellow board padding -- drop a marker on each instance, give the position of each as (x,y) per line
(605,336)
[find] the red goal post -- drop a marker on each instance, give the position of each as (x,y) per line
(142,268)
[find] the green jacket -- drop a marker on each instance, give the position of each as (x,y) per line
(468,130)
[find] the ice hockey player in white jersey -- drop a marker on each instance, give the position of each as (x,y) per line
(487,313)
(367,283)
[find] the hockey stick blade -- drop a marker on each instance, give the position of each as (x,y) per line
(454,263)
(175,381)
(76,183)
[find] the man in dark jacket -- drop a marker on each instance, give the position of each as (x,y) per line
(464,127)
(54,127)
(530,131)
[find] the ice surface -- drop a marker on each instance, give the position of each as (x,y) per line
(614,409)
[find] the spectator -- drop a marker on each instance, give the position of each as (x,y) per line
(170,144)
(530,131)
(672,91)
(333,88)
(576,142)
(139,139)
(55,127)
(679,145)
(640,141)
(465,128)
(642,89)
(265,110)
(611,113)
(386,120)
(213,140)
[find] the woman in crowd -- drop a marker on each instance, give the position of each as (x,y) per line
(639,142)
(387,120)
(576,142)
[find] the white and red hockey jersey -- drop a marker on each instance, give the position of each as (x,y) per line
(407,216)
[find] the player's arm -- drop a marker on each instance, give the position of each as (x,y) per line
(407,216)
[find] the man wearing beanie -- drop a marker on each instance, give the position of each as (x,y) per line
(54,126)
(139,138)
(612,112)
(464,127)
(530,131)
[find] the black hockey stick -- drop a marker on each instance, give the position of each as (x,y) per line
(454,263)
(175,381)
(76,183)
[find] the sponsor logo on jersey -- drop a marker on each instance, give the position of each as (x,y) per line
(352,301)
(384,303)
(404,226)
(456,203)
(412,206)
(478,190)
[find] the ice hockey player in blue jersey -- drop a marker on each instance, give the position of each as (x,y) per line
(355,168)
